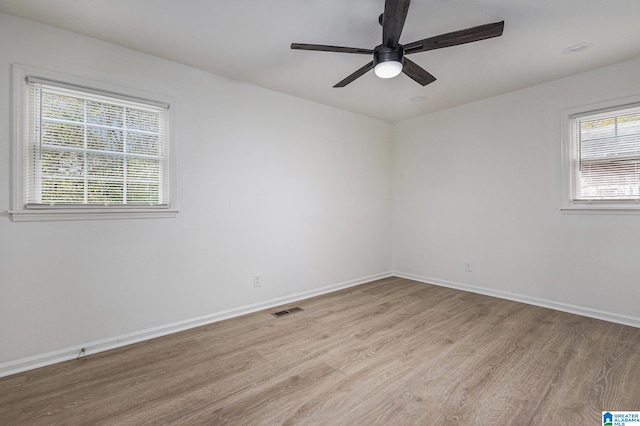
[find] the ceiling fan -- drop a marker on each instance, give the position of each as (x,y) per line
(389,57)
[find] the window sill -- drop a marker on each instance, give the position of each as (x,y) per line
(601,209)
(42,215)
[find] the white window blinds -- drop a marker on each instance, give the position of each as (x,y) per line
(606,156)
(90,149)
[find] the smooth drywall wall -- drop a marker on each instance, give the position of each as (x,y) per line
(480,184)
(268,183)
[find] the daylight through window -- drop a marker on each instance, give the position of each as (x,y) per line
(606,156)
(86,149)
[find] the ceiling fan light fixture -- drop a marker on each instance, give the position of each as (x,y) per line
(388,69)
(388,61)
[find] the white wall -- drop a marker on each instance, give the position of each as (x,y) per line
(268,183)
(481,183)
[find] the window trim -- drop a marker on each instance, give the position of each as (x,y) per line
(20,212)
(568,204)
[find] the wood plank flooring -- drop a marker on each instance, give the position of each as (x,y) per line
(392,352)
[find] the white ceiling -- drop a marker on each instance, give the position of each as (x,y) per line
(248,40)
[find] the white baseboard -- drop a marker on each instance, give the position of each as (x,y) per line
(578,310)
(30,363)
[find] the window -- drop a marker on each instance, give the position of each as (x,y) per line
(90,153)
(602,157)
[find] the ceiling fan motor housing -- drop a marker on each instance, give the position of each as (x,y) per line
(383,54)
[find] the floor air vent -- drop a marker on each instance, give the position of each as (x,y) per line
(287,312)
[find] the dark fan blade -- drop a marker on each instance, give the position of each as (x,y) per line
(417,73)
(395,13)
(362,71)
(325,48)
(455,38)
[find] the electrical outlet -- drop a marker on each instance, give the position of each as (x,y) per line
(467,266)
(256,280)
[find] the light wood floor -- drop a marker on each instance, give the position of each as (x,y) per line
(392,352)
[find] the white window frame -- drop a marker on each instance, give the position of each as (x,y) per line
(20,212)
(569,205)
